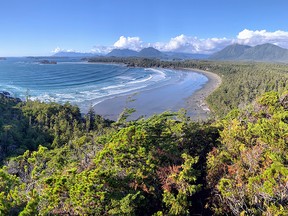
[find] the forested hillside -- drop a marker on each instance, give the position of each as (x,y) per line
(164,165)
(262,53)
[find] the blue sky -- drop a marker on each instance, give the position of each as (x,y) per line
(37,27)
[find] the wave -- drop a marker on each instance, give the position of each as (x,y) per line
(118,92)
(112,87)
(141,80)
(157,71)
(79,97)
(44,98)
(125,77)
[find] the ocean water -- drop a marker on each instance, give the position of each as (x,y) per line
(86,84)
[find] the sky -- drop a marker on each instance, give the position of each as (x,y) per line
(43,27)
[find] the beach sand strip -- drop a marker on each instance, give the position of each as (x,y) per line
(196,103)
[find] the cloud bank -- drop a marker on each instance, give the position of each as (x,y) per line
(181,43)
(188,44)
(257,37)
(191,44)
(58,49)
(101,49)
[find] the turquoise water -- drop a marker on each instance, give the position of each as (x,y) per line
(86,84)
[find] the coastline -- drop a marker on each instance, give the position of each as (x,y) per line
(196,103)
(173,95)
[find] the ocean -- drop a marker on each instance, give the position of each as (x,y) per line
(91,84)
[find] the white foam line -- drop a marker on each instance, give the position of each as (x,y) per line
(141,80)
(98,102)
(112,87)
(158,71)
(112,93)
(125,77)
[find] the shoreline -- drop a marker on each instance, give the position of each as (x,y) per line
(193,102)
(196,103)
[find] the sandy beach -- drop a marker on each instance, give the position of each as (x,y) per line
(197,106)
(194,103)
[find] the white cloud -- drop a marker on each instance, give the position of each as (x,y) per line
(133,43)
(257,37)
(102,49)
(192,44)
(58,49)
(188,44)
(181,43)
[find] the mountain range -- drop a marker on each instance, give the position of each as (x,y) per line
(263,53)
(148,52)
(122,53)
(151,52)
(235,52)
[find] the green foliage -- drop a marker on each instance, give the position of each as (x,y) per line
(7,183)
(248,172)
(26,125)
(180,181)
(149,166)
(129,169)
(31,206)
(242,82)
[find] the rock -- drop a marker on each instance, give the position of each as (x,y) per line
(5,93)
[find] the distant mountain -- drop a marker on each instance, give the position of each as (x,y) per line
(184,56)
(122,53)
(151,52)
(231,52)
(265,52)
(73,54)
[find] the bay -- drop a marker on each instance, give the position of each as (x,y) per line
(108,88)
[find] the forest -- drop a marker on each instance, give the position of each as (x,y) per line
(56,161)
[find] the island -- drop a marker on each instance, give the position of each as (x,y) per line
(47,62)
(2,58)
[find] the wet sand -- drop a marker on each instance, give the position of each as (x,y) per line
(195,104)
